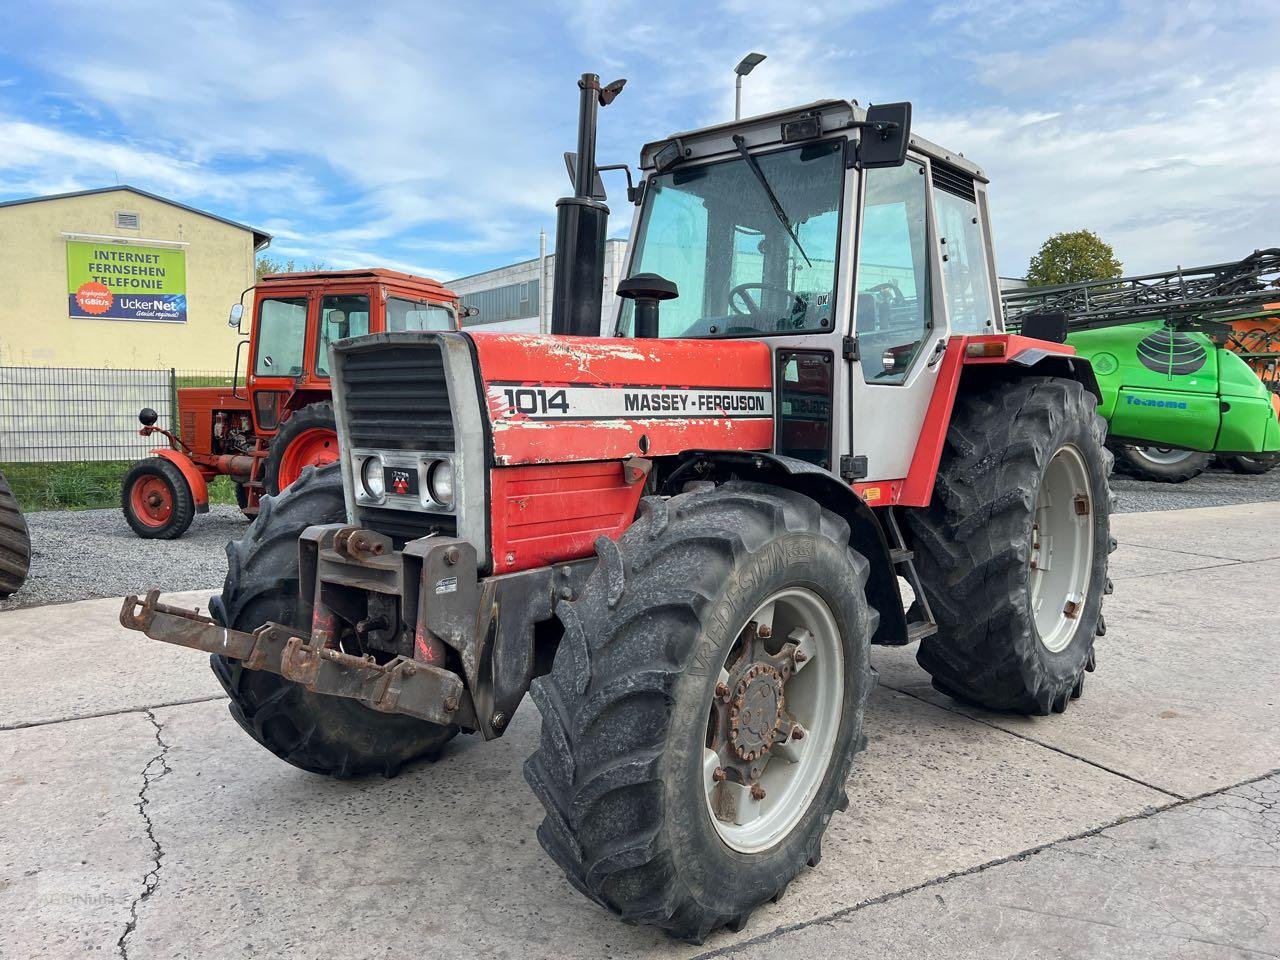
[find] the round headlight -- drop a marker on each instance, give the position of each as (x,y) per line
(440,482)
(372,478)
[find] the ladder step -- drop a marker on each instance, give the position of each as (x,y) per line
(900,555)
(919,629)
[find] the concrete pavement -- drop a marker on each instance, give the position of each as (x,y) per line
(137,820)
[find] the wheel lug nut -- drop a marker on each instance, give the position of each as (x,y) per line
(800,656)
(718,775)
(722,690)
(797,732)
(757,792)
(764,631)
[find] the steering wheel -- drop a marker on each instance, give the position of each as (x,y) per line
(741,292)
(891,290)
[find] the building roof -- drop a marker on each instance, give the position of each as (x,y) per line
(260,237)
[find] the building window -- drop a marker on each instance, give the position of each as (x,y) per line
(126,221)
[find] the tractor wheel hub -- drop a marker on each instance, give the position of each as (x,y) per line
(756,711)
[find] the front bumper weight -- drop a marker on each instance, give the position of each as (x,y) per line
(402,685)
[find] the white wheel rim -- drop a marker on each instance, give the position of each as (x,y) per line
(1167,456)
(1061,549)
(804,646)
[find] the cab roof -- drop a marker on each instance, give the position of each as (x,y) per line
(392,278)
(764,129)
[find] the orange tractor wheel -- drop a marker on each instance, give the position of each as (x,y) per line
(309,438)
(157,500)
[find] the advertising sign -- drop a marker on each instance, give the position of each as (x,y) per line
(115,281)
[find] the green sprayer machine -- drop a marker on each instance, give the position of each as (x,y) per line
(1175,392)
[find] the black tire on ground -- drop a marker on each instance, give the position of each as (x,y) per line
(182,502)
(973,546)
(1162,467)
(15,542)
(313,416)
(1255,463)
(625,707)
(327,735)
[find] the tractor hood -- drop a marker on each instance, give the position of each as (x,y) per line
(558,399)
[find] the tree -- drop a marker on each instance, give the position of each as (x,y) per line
(1073,258)
(266,266)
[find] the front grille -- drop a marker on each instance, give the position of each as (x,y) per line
(405,525)
(396,397)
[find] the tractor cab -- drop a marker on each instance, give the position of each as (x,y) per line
(296,316)
(854,249)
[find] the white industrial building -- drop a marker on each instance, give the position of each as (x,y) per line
(517,298)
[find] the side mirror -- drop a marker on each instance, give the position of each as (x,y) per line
(237,311)
(469,312)
(885,135)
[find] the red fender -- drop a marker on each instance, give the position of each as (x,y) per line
(199,489)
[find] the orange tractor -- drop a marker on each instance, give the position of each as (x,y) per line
(263,434)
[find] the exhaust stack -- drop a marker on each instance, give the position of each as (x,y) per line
(581,225)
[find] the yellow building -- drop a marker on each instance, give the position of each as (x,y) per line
(122,278)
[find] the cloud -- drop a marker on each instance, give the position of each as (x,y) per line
(410,135)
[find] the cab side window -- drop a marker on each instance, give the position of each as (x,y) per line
(893,311)
(341,315)
(282,333)
(964,263)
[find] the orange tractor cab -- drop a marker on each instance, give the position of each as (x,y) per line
(281,420)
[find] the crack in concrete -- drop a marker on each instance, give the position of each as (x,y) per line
(28,724)
(150,880)
(1039,743)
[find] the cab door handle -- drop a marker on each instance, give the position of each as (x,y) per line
(938,351)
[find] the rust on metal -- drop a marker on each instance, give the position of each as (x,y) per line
(402,685)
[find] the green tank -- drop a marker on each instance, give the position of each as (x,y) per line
(1169,394)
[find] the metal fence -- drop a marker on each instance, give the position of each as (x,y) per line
(73,414)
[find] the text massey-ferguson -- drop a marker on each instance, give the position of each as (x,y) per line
(667,535)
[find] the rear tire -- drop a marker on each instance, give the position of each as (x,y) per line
(1257,463)
(308,438)
(157,500)
(631,712)
(15,542)
(1161,464)
(1013,571)
(334,736)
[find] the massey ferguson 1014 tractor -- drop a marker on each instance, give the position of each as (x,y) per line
(683,539)
(283,420)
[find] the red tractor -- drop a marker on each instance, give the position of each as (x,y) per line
(682,540)
(283,422)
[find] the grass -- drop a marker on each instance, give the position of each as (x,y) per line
(82,485)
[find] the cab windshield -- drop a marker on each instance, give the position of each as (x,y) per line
(714,231)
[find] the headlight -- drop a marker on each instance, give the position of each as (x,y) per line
(440,483)
(372,478)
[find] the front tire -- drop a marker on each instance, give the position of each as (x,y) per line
(157,500)
(666,674)
(334,736)
(1161,464)
(1012,552)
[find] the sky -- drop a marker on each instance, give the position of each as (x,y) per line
(428,137)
